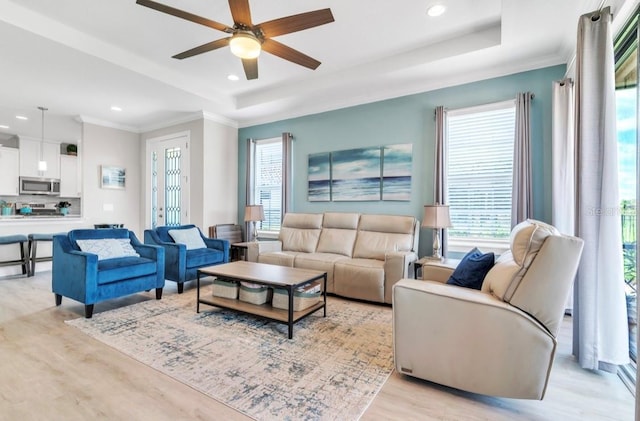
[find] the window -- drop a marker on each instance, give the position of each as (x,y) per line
(479,175)
(626,76)
(267,182)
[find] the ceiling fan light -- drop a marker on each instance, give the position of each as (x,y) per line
(245,45)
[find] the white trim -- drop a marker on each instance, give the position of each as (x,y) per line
(146,167)
(464,245)
(483,107)
(105,123)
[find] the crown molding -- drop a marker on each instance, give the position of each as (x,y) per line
(105,123)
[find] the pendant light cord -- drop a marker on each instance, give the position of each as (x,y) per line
(43,109)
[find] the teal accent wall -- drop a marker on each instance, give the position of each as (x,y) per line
(408,119)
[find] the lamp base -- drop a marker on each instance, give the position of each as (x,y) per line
(254,238)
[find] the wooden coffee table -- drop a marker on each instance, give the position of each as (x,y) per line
(269,275)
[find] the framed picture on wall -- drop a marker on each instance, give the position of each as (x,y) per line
(319,187)
(112,177)
(396,172)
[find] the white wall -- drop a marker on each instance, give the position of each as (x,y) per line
(220,169)
(109,146)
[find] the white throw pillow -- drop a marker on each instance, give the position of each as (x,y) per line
(108,248)
(189,237)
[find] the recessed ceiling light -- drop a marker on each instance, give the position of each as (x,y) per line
(436,10)
(2,126)
(233,77)
(21,117)
(115,108)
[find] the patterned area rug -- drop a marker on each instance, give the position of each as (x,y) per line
(331,369)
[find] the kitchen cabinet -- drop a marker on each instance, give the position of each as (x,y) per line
(30,155)
(70,184)
(9,171)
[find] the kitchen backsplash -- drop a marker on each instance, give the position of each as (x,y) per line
(75,208)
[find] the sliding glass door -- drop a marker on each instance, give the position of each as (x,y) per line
(626,57)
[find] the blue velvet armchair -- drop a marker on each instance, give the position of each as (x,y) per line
(182,262)
(109,269)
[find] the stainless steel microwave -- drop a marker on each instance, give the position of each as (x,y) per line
(38,185)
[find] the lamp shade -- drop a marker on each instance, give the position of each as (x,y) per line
(436,216)
(245,45)
(253,213)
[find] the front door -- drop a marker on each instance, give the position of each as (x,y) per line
(169,180)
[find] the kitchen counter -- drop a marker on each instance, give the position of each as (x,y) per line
(36,217)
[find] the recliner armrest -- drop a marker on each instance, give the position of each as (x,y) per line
(396,267)
(256,248)
(436,271)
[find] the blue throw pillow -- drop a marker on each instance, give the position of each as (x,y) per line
(472,269)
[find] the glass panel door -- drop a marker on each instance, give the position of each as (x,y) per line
(169,183)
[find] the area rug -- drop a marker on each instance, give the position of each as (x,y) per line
(331,369)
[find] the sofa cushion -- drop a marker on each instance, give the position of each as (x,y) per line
(323,262)
(341,220)
(114,270)
(472,269)
(526,240)
(108,248)
(300,232)
(203,257)
(374,245)
(337,241)
(379,234)
(189,237)
(359,278)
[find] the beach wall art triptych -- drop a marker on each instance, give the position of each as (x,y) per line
(364,174)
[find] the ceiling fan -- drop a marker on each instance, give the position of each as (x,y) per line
(247,40)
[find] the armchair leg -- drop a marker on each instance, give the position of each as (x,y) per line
(158,293)
(180,287)
(58,299)
(88,311)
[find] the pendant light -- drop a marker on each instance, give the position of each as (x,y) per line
(42,164)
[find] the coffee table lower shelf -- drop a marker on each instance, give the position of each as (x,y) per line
(263,310)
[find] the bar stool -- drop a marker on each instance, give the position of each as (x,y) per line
(24,254)
(33,246)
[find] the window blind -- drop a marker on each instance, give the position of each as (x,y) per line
(268,182)
(480,170)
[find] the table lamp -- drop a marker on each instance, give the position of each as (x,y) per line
(436,217)
(254,213)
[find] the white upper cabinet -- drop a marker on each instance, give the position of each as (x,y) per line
(69,176)
(30,156)
(9,171)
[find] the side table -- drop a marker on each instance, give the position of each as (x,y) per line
(450,263)
(238,251)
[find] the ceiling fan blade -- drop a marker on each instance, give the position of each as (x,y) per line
(210,46)
(250,68)
(288,53)
(240,12)
(295,23)
(184,15)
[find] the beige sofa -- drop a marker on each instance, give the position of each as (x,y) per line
(499,341)
(363,255)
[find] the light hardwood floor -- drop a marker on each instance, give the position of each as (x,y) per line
(51,371)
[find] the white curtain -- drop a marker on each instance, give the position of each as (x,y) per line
(287,141)
(521,205)
(563,163)
(563,188)
(600,338)
(440,176)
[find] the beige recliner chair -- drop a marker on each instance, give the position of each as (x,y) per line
(499,341)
